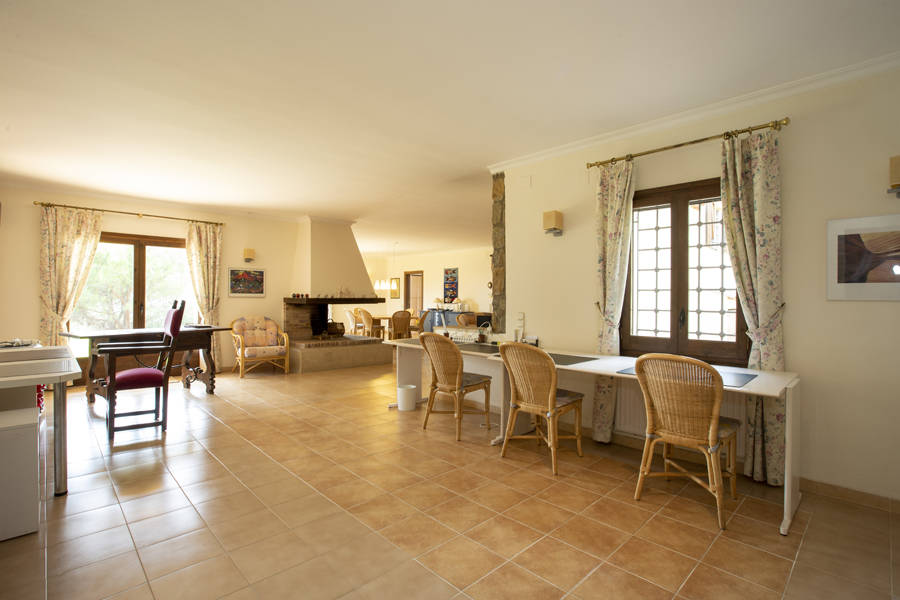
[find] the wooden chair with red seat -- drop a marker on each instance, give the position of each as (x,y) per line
(143,377)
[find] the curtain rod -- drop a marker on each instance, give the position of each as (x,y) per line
(776,125)
(125,212)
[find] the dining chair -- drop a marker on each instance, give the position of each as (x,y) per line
(370,328)
(448,378)
(143,377)
(533,390)
(356,324)
(682,398)
(400,325)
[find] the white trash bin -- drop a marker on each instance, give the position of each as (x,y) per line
(406,397)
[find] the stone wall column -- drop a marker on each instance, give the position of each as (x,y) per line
(498,258)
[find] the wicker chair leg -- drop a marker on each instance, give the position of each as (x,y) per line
(716,464)
(457,407)
(487,406)
(510,427)
(553,438)
(645,466)
(578,428)
(429,406)
(536,423)
(667,453)
(243,365)
(732,466)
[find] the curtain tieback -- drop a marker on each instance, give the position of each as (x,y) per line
(760,334)
(51,310)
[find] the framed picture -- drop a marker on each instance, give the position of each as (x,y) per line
(395,287)
(247,283)
(864,258)
(451,284)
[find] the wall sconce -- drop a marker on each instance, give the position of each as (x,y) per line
(249,255)
(895,176)
(553,222)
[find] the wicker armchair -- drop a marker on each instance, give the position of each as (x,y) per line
(400,325)
(370,327)
(682,397)
(447,377)
(532,383)
(257,341)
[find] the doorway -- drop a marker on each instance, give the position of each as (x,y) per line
(412,291)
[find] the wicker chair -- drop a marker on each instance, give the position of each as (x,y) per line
(370,328)
(418,326)
(400,325)
(356,326)
(447,377)
(682,397)
(257,341)
(466,320)
(532,383)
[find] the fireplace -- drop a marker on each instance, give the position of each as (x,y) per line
(307,318)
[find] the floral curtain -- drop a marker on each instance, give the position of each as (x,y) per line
(204,250)
(751,207)
(69,238)
(615,192)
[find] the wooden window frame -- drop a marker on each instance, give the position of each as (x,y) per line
(140,243)
(735,353)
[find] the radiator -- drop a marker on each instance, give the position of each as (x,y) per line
(631,418)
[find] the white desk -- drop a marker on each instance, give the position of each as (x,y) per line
(772,384)
(55,365)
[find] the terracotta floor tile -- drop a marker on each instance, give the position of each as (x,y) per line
(807,583)
(460,480)
(409,580)
(496,496)
(708,583)
(676,535)
(81,551)
(141,592)
(617,514)
(247,529)
(856,556)
(693,513)
(526,482)
(611,582)
(152,506)
(539,514)
(382,511)
(352,493)
(98,579)
(84,523)
(165,526)
(558,563)
(330,532)
(511,582)
(211,578)
(763,568)
(763,536)
(568,496)
(504,536)
(492,468)
(204,491)
(424,495)
(590,536)
(179,552)
(229,507)
(656,564)
(461,561)
(281,491)
(367,558)
(651,498)
(461,514)
(305,509)
(72,503)
(272,555)
(313,580)
(417,534)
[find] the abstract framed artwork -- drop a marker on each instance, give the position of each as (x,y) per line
(451,284)
(864,258)
(247,283)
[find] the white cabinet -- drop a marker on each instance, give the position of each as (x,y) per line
(19,490)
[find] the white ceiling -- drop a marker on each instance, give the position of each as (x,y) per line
(382,112)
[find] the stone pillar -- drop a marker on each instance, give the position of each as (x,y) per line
(498,258)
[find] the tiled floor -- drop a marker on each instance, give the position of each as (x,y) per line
(307,487)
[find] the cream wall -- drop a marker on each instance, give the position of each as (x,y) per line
(273,240)
(834,164)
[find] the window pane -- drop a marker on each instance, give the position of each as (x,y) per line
(651,264)
(711,289)
(168,280)
(107,301)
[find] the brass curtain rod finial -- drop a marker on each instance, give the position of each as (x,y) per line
(125,212)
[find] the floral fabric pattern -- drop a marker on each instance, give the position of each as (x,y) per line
(204,251)
(751,207)
(69,239)
(615,192)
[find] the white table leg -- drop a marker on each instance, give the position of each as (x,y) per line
(60,453)
(791,456)
(409,370)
